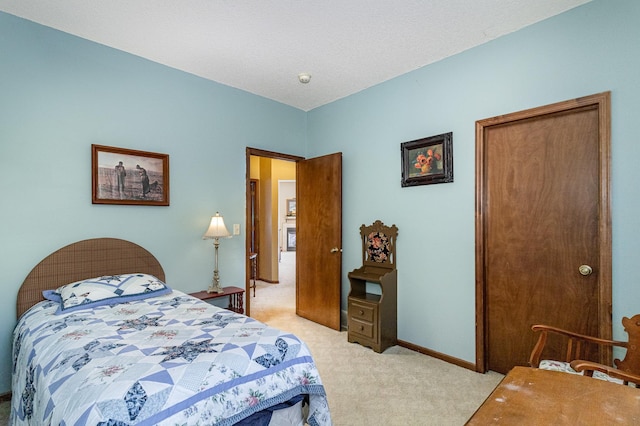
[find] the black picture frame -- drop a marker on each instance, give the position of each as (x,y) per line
(129,177)
(428,160)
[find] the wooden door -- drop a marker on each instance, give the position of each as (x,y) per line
(542,212)
(319,239)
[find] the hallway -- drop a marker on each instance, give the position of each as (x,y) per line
(276,303)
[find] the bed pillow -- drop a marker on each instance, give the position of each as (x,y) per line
(107,290)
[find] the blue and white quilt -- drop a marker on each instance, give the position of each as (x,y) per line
(169,359)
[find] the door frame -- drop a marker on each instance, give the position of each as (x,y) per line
(247,265)
(253,227)
(603,103)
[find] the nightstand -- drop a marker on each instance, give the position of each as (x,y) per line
(235,295)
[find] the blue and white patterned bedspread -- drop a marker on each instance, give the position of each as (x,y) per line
(170,359)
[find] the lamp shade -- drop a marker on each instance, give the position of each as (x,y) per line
(216,228)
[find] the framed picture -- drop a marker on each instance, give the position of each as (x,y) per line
(127,176)
(291,239)
(428,160)
(291,207)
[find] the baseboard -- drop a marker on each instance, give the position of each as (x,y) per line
(344,318)
(344,321)
(447,358)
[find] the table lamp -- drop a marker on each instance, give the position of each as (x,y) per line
(216,231)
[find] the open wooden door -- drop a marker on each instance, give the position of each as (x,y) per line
(319,239)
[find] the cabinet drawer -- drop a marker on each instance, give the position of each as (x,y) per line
(364,328)
(361,311)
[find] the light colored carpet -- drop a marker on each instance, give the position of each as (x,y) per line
(5,407)
(397,387)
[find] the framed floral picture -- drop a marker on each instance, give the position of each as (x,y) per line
(428,160)
(127,176)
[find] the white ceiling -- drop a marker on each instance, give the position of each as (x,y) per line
(261,46)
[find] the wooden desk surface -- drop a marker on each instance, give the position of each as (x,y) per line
(529,396)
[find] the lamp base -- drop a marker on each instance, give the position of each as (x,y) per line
(215,286)
(215,289)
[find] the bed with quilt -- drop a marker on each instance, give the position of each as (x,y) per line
(102,340)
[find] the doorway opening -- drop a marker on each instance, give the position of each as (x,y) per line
(318,213)
(270,189)
(275,299)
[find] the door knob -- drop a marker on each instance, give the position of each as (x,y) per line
(335,250)
(585,270)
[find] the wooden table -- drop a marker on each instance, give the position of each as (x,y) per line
(235,295)
(529,396)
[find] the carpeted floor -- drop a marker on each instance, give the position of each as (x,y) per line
(397,387)
(4,413)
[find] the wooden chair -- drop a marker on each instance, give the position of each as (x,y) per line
(626,371)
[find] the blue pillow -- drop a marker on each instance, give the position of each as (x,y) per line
(108,290)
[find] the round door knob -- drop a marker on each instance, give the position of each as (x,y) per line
(585,270)
(335,250)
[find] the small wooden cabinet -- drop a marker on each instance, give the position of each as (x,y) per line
(372,302)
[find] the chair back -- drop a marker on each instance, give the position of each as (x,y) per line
(631,361)
(379,245)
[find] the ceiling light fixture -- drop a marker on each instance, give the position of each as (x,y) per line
(304,77)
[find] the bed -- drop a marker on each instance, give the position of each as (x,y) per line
(91,347)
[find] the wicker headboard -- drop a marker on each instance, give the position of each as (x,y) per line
(85,259)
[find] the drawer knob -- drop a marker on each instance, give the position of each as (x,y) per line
(361,328)
(361,312)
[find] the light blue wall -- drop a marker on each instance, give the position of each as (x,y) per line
(59,94)
(591,49)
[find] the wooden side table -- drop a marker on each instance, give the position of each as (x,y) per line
(235,295)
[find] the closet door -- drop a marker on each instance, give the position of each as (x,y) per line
(543,228)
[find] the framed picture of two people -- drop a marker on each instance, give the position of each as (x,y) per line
(127,176)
